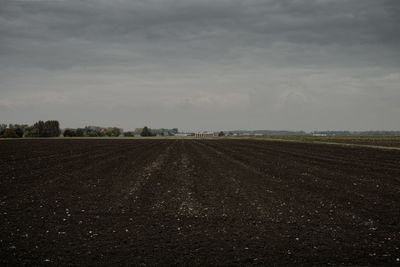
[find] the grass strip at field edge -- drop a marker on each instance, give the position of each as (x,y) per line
(324,143)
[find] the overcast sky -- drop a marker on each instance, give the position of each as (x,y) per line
(202,64)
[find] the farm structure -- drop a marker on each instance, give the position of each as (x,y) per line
(204,134)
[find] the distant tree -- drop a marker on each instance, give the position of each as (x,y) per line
(9,133)
(93,133)
(51,129)
(221,133)
(146,132)
(102,132)
(69,133)
(129,134)
(108,132)
(116,131)
(80,132)
(3,128)
(19,132)
(28,131)
(32,131)
(19,128)
(43,129)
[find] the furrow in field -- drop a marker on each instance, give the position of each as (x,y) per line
(354,157)
(197,202)
(335,183)
(318,198)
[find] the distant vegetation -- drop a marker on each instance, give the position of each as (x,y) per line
(93,131)
(129,134)
(51,128)
(39,129)
(146,132)
(43,129)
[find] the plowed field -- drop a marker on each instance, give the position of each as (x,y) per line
(197,202)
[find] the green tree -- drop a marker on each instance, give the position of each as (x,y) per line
(116,131)
(3,128)
(32,131)
(43,129)
(9,133)
(221,133)
(69,133)
(146,132)
(19,132)
(80,132)
(51,129)
(93,134)
(19,128)
(128,134)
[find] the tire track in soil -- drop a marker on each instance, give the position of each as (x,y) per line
(316,176)
(187,208)
(184,201)
(89,206)
(119,211)
(138,178)
(281,224)
(351,158)
(89,157)
(76,180)
(335,214)
(239,213)
(308,173)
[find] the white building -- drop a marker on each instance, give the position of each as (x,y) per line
(182,134)
(318,134)
(204,134)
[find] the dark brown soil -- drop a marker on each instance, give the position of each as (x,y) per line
(197,202)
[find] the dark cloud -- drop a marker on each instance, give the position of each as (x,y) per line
(278,62)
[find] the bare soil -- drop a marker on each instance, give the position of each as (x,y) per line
(197,202)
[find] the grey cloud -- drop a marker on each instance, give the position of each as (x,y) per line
(85,32)
(269,60)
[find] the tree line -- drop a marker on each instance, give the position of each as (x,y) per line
(51,128)
(93,131)
(39,129)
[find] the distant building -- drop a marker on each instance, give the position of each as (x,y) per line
(182,134)
(204,134)
(319,134)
